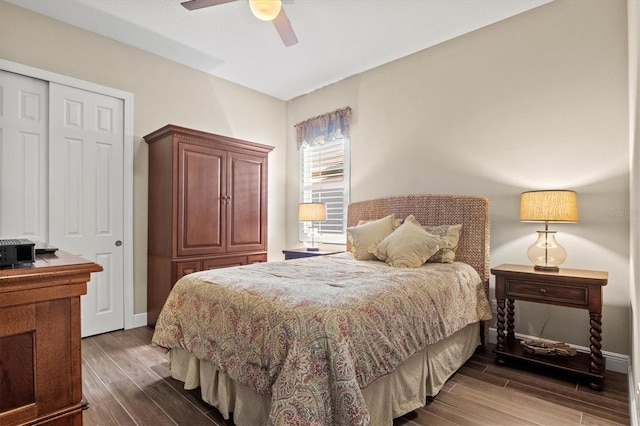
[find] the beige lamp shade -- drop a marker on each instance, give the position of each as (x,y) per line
(312,212)
(549,206)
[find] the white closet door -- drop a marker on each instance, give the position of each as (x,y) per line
(23,157)
(86,142)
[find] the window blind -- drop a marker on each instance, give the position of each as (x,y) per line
(323,179)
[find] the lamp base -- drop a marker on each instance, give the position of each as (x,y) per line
(313,249)
(546,268)
(546,254)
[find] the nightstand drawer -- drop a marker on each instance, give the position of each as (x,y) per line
(546,293)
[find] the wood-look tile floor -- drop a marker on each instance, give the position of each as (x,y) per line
(127,382)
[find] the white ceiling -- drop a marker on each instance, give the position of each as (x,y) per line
(337,38)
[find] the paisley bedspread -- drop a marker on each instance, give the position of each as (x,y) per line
(312,332)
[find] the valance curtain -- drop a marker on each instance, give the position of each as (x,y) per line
(323,128)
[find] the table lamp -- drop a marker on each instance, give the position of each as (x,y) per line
(312,212)
(548,206)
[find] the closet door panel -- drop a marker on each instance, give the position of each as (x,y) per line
(86,204)
(23,157)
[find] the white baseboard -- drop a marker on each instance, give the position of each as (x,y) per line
(139,320)
(615,362)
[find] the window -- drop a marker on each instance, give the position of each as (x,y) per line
(324,178)
(323,145)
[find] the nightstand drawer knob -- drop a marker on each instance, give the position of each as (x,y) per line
(543,290)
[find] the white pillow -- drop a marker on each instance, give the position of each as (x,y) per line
(363,236)
(409,246)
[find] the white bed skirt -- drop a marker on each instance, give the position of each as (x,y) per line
(388,397)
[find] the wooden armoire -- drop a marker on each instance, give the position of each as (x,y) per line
(207,206)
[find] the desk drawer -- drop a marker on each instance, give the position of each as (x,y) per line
(547,293)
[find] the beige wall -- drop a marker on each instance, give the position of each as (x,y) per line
(164,92)
(538,101)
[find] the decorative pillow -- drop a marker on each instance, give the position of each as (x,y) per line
(409,246)
(450,235)
(363,236)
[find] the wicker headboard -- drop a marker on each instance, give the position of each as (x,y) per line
(438,209)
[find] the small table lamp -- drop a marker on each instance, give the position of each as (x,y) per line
(548,206)
(312,212)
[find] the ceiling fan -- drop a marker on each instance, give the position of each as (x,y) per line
(267,10)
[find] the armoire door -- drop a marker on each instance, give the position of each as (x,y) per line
(246,202)
(201,216)
(86,216)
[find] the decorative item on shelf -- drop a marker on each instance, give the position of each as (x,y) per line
(545,347)
(313,212)
(548,206)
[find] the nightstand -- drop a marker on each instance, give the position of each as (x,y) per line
(303,252)
(575,288)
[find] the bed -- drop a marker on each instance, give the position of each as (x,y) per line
(334,339)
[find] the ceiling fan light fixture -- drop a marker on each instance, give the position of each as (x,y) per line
(267,10)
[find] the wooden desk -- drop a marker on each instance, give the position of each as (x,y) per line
(575,288)
(40,343)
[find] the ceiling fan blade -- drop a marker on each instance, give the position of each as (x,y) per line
(199,4)
(284,28)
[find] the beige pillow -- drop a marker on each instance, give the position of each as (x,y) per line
(369,233)
(409,246)
(450,235)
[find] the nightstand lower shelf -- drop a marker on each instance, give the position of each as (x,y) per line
(578,365)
